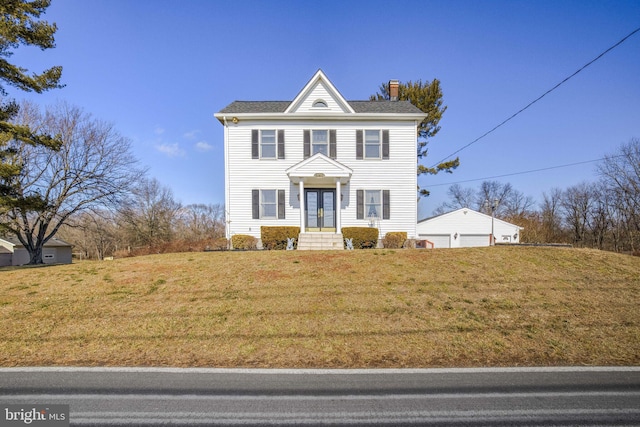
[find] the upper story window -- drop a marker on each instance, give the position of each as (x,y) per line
(320,104)
(372,143)
(320,142)
(268,144)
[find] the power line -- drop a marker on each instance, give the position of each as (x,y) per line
(523,172)
(540,97)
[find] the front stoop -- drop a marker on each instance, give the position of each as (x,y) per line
(320,241)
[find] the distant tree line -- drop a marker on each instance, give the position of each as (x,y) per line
(148,221)
(604,214)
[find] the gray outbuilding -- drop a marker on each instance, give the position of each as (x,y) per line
(55,251)
(465,228)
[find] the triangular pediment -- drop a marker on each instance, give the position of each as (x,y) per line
(319,96)
(319,166)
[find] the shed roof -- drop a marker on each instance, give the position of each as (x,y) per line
(53,242)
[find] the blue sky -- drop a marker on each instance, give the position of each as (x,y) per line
(160,69)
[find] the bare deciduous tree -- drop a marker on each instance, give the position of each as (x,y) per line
(200,221)
(577,204)
(93,168)
(620,174)
(150,214)
(551,216)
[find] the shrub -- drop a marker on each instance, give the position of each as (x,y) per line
(276,237)
(394,239)
(219,244)
(363,237)
(243,241)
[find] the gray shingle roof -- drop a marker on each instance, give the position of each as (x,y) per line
(54,241)
(239,107)
(390,107)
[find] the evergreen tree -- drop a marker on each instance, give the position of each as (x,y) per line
(20,25)
(428,98)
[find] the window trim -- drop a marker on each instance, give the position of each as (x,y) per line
(325,144)
(367,204)
(332,144)
(383,144)
(257,144)
(274,204)
(275,144)
(362,204)
(379,144)
(258,205)
(320,103)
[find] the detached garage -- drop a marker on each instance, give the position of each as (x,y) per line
(55,251)
(5,256)
(465,228)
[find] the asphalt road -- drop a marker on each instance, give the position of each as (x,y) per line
(447,397)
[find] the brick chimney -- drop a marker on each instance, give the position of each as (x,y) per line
(393,89)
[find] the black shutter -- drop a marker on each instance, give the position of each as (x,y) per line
(307,144)
(281,144)
(255,144)
(280,204)
(360,204)
(359,144)
(385,144)
(332,144)
(386,208)
(255,204)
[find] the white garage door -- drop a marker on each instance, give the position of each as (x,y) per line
(438,240)
(473,240)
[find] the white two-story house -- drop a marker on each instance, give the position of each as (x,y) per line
(321,163)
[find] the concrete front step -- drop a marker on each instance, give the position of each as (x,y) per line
(320,241)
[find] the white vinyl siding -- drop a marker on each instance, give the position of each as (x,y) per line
(397,174)
(320,92)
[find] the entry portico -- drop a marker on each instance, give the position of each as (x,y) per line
(320,180)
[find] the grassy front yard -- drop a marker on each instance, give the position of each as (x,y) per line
(501,306)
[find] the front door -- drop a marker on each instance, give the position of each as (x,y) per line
(321,209)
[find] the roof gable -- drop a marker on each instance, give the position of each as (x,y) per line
(319,96)
(318,166)
(461,213)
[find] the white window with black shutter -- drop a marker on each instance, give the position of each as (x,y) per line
(322,141)
(268,204)
(372,144)
(267,144)
(373,204)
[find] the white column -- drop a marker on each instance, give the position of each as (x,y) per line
(302,218)
(338,206)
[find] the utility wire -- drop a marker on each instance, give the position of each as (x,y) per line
(540,97)
(523,172)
